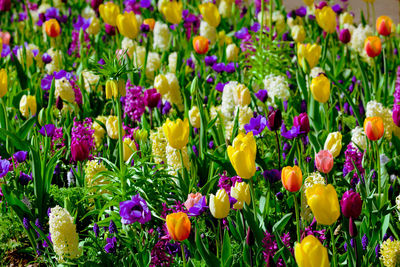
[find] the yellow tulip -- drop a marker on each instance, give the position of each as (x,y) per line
(129,148)
(172,10)
(109,13)
(177,133)
(27,105)
(324,203)
(241,193)
(3,82)
(128,25)
(210,14)
(326,19)
(194,117)
(333,143)
(219,204)
(346,18)
(94,26)
(241,95)
(178,225)
(310,53)
(308,2)
(298,33)
(243,155)
(111,89)
(112,127)
(311,253)
(321,88)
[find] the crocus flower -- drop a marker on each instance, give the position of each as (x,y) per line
(24,178)
(20,156)
(134,210)
(47,130)
(4,167)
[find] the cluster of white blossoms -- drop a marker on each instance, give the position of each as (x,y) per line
(277,87)
(358,36)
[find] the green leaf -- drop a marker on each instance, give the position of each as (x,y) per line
(205,253)
(22,78)
(15,140)
(226,247)
(26,127)
(280,225)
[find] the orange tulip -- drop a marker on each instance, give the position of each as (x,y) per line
(150,22)
(179,226)
(292,178)
(373,46)
(200,44)
(52,28)
(373,128)
(384,25)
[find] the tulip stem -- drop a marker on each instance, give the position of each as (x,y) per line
(120,146)
(296,209)
(333,247)
(253,197)
(279,150)
(378,173)
(183,255)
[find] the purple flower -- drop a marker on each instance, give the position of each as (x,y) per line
(110,30)
(230,67)
(301,11)
(344,37)
(219,67)
(46,82)
(302,122)
(144,28)
(81,23)
(111,245)
(46,58)
(396,114)
(166,108)
(80,150)
(20,156)
(256,125)
(198,208)
(274,120)
(364,242)
(337,8)
(48,130)
(255,27)
(25,222)
(5,5)
(272,176)
(112,228)
(220,87)
(24,178)
(145,3)
(96,230)
(4,167)
(210,60)
(351,204)
(262,95)
(242,33)
(134,210)
(226,182)
(134,102)
(195,150)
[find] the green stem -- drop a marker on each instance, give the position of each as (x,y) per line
(270,21)
(121,147)
(334,264)
(253,197)
(296,208)
(378,173)
(183,255)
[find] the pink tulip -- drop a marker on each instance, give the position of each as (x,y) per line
(324,161)
(192,200)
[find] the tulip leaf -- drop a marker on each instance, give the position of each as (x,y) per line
(22,78)
(226,248)
(26,127)
(280,225)
(385,224)
(15,140)
(205,253)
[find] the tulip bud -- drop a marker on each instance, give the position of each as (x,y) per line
(232,52)
(333,143)
(384,25)
(324,161)
(151,98)
(303,122)
(219,204)
(95,4)
(210,14)
(178,225)
(292,178)
(109,13)
(52,28)
(309,53)
(200,44)
(345,36)
(321,88)
(5,5)
(194,117)
(326,19)
(298,33)
(396,115)
(241,193)
(172,10)
(373,46)
(176,132)
(324,203)
(27,105)
(274,120)
(351,204)
(128,25)
(373,128)
(111,89)
(129,148)
(243,155)
(310,252)
(3,83)
(80,150)
(42,116)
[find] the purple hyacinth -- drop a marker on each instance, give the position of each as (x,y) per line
(134,102)
(134,210)
(352,154)
(25,222)
(364,242)
(112,228)
(96,230)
